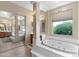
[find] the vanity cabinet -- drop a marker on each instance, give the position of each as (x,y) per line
(5,34)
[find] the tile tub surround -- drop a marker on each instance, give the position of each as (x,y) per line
(62,44)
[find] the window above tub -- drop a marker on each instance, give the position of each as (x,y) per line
(62,27)
(62,23)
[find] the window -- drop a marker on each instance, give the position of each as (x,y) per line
(62,27)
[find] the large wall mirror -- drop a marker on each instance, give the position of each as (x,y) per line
(14,24)
(2,27)
(42,23)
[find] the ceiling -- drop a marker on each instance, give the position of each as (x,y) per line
(44,5)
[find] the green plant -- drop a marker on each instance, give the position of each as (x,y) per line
(64,28)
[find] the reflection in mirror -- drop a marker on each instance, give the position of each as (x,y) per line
(2,27)
(8,28)
(21,25)
(6,24)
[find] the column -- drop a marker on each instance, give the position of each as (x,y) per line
(16,29)
(36,23)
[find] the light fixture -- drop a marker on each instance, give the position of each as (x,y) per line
(20,17)
(42,17)
(33,12)
(57,1)
(5,14)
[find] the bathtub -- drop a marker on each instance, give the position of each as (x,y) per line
(56,47)
(62,44)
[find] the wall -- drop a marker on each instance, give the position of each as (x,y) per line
(72,6)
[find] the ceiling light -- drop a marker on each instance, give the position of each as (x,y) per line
(5,14)
(57,1)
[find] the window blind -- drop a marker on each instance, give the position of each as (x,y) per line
(62,16)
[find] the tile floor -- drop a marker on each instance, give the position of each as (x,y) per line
(10,49)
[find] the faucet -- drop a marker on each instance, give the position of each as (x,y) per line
(41,39)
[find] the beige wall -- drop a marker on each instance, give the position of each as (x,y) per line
(74,7)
